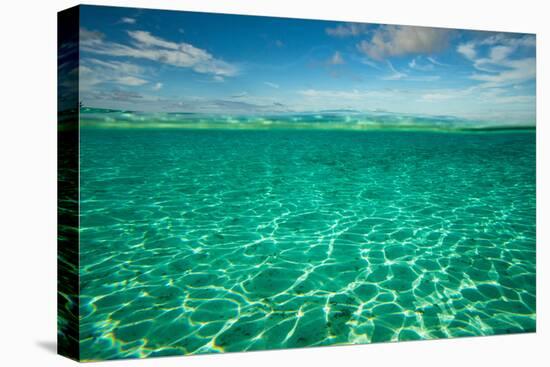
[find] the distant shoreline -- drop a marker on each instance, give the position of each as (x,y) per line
(322,121)
(117,125)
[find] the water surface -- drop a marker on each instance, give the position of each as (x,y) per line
(200,241)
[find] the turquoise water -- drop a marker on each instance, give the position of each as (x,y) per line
(202,241)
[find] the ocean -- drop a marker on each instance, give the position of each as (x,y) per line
(204,235)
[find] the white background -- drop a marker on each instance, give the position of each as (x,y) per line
(28,182)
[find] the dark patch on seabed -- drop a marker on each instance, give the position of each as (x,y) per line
(211,241)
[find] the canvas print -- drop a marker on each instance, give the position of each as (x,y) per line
(231,183)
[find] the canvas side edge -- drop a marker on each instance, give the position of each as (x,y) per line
(68,330)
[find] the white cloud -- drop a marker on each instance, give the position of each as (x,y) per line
(479,95)
(329,93)
(129,80)
(498,67)
(396,75)
(146,39)
(518,71)
(502,38)
(400,75)
(272,85)
(471,102)
(500,53)
(417,64)
(435,95)
(342,94)
(336,59)
(90,38)
(434,61)
(94,72)
(467,50)
(348,30)
(128,20)
(371,63)
(157,86)
(388,41)
(147,46)
(117,66)
(239,95)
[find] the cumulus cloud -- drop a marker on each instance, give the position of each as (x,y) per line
(144,45)
(348,30)
(468,50)
(388,41)
(493,58)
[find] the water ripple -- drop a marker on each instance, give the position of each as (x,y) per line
(220,241)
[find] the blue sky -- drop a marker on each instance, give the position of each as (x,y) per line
(152,60)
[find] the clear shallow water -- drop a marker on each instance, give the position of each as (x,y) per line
(215,240)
